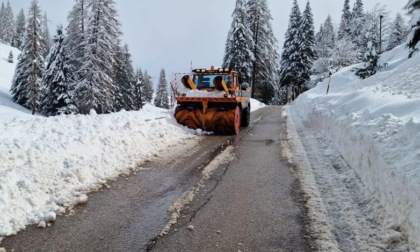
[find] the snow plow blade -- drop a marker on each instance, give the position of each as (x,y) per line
(217,119)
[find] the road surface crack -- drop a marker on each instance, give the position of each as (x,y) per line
(217,180)
(212,175)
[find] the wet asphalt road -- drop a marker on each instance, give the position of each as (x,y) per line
(252,204)
(249,205)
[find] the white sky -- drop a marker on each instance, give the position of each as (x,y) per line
(171,34)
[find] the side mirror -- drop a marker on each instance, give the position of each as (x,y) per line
(244,86)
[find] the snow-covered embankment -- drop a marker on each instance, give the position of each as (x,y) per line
(375,124)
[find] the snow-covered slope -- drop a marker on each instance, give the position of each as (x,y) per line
(375,124)
(7,107)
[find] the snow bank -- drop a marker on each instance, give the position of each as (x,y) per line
(48,164)
(375,124)
(255,105)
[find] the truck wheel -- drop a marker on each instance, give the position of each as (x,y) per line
(246,116)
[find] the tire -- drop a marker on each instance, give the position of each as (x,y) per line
(246,116)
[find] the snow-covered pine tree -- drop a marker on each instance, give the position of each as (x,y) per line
(26,84)
(326,39)
(265,65)
(10,58)
(345,51)
(344,30)
(325,47)
(161,99)
(75,39)
(131,84)
(119,101)
(292,68)
(357,27)
(9,25)
(318,35)
(129,69)
(124,79)
(147,86)
(239,45)
(2,20)
(413,7)
(344,54)
(20,30)
(398,32)
(96,88)
(308,44)
(137,90)
(46,31)
(371,56)
(57,97)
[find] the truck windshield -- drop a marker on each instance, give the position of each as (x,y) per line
(206,80)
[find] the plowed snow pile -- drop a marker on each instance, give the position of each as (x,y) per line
(47,165)
(375,124)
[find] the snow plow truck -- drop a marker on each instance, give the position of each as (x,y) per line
(213,100)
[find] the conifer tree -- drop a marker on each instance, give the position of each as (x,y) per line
(239,45)
(138,93)
(398,33)
(131,79)
(75,39)
(20,30)
(119,101)
(265,65)
(344,29)
(292,71)
(46,31)
(8,29)
(345,51)
(10,58)
(147,86)
(325,42)
(413,7)
(308,41)
(124,79)
(161,99)
(344,54)
(96,89)
(2,20)
(57,96)
(371,56)
(26,84)
(318,35)
(327,50)
(358,27)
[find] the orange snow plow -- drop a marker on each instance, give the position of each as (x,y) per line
(212,100)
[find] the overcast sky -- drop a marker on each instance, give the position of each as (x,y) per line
(171,34)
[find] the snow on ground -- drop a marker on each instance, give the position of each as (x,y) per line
(374,125)
(255,104)
(47,165)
